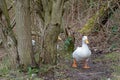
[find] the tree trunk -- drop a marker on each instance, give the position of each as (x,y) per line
(49,47)
(23,29)
(50,13)
(7,35)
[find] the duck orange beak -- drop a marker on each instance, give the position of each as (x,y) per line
(86,41)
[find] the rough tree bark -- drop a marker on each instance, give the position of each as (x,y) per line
(50,12)
(8,37)
(23,29)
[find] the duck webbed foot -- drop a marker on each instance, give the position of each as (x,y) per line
(74,63)
(85,65)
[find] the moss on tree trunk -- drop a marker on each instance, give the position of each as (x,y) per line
(101,16)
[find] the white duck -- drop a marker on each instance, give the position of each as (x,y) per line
(82,53)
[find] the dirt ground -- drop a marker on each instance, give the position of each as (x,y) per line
(100,70)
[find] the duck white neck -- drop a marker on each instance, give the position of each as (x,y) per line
(84,44)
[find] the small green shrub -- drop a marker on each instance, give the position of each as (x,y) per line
(69,44)
(32,70)
(3,69)
(4,66)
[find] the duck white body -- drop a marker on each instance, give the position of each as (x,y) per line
(82,53)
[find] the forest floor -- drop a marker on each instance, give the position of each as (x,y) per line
(104,66)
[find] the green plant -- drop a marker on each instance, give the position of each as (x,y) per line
(3,69)
(32,70)
(4,66)
(92,3)
(114,29)
(69,44)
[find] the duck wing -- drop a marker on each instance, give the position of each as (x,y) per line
(76,53)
